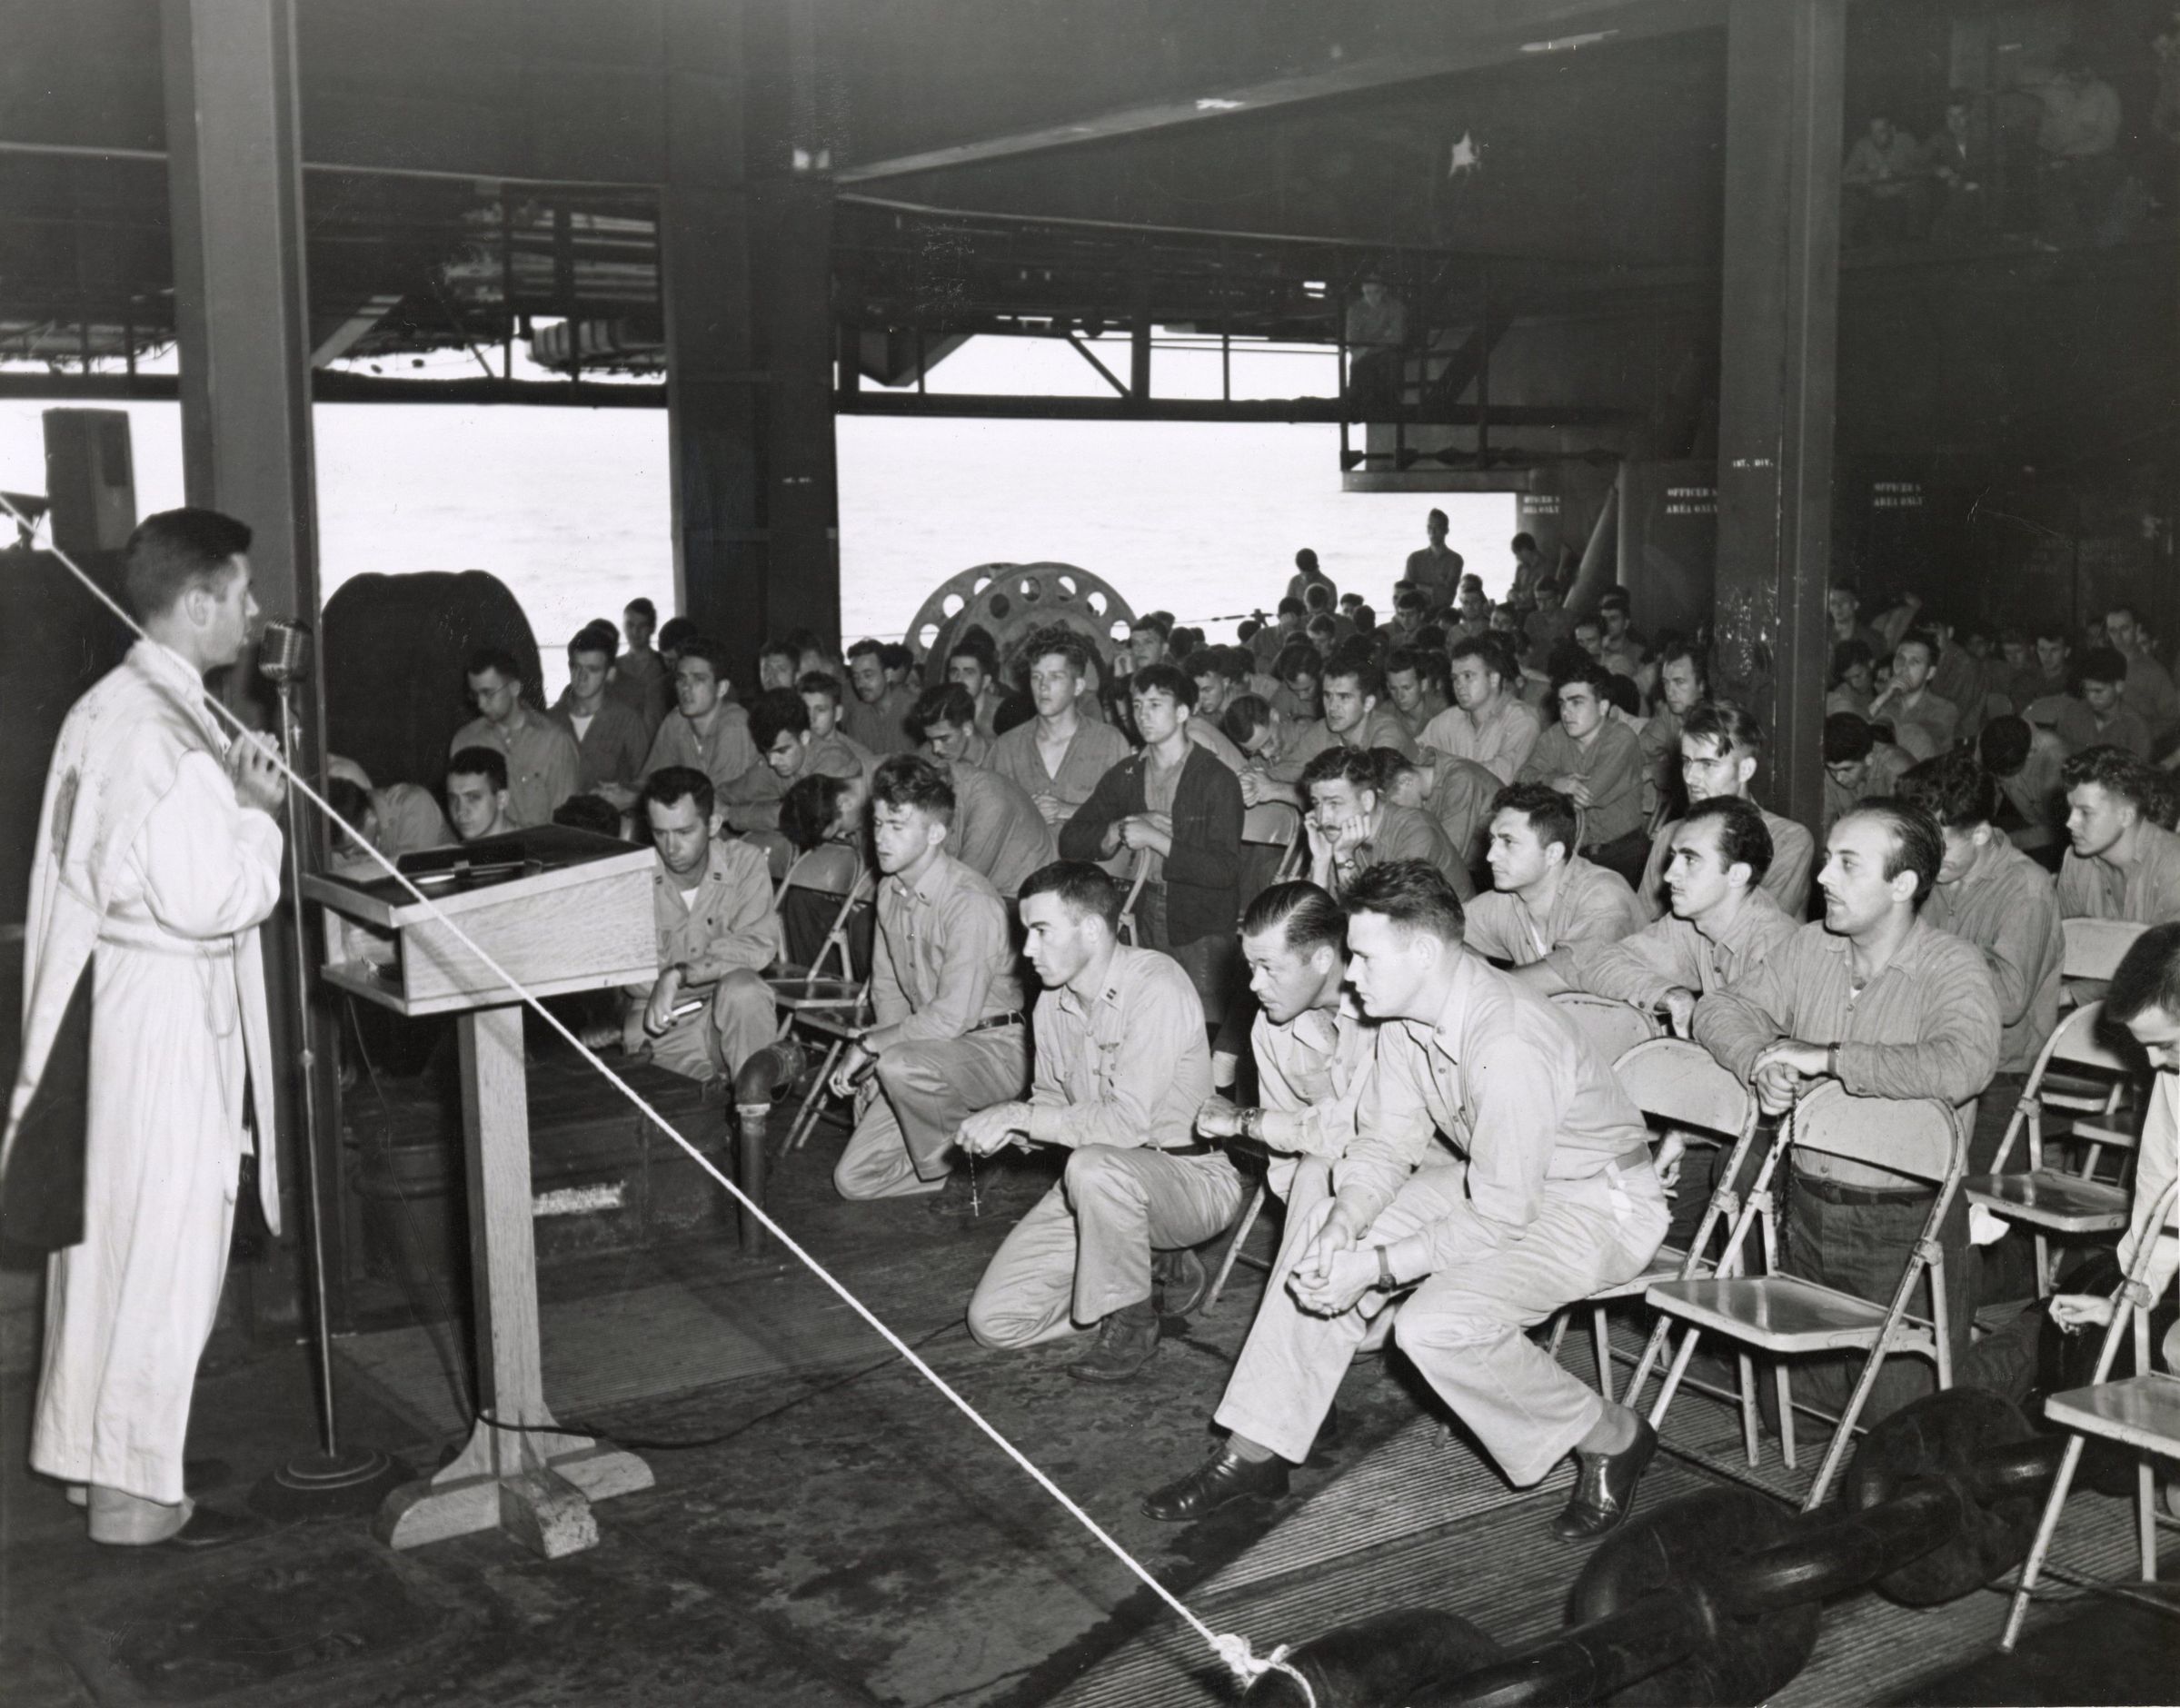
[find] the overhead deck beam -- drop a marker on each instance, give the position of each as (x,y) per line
(1785,76)
(1513,32)
(991,405)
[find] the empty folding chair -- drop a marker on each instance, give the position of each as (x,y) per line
(1787,1316)
(2078,1072)
(1679,1086)
(2141,1412)
(824,998)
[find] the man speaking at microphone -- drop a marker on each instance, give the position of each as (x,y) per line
(144,1037)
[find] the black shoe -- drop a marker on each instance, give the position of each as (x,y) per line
(1179,1282)
(1127,1341)
(1605,1486)
(1221,1480)
(209,1528)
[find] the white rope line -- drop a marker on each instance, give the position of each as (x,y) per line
(1231,1648)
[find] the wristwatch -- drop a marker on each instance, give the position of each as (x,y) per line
(1385,1283)
(1252,1124)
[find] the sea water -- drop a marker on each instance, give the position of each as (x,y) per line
(570,507)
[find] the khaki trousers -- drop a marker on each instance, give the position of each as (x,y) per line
(924,1090)
(1464,1327)
(1083,1251)
(716,1041)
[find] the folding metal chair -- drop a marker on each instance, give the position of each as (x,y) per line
(2092,1081)
(829,1004)
(2094,947)
(1680,1086)
(1613,1026)
(1786,1315)
(1232,1254)
(2141,1412)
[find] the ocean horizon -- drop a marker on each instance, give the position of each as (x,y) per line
(570,507)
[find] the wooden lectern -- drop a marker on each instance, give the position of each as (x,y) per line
(561,910)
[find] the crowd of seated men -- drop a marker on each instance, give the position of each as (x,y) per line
(1071,945)
(2064,147)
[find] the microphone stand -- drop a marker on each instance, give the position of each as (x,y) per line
(329,1481)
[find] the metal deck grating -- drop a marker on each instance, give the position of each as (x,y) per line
(1408,1525)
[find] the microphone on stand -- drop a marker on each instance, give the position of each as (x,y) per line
(333,1479)
(284,653)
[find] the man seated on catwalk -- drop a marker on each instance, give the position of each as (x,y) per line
(948,1038)
(1500,1172)
(1881,1000)
(1720,745)
(1544,895)
(711,901)
(1313,1048)
(1352,827)
(1122,1066)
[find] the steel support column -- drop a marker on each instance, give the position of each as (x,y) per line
(235,187)
(712,376)
(1785,71)
(745,240)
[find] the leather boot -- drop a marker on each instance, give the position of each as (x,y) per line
(1127,1341)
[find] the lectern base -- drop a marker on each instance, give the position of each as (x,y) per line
(545,1507)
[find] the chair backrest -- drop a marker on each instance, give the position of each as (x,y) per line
(1908,1135)
(832,868)
(2078,1040)
(1271,823)
(1680,1082)
(1615,1028)
(2094,947)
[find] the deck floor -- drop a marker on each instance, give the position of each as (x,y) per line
(825,1528)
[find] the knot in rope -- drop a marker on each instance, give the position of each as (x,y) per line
(1248,1668)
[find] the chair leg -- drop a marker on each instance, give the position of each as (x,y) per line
(2145,1518)
(1656,1345)
(1783,1374)
(2043,1267)
(1558,1334)
(1233,1246)
(2046,1527)
(1602,1330)
(1843,1437)
(813,1103)
(1672,1382)
(1750,1443)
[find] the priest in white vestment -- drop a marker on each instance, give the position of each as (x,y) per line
(158,857)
